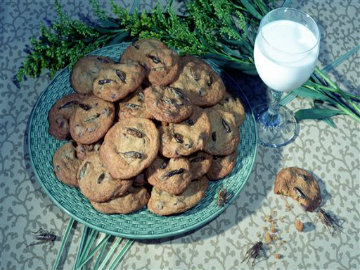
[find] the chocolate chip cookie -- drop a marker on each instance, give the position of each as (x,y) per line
(161,63)
(134,106)
(232,105)
(66,164)
(171,175)
(224,135)
(130,146)
(96,183)
(116,81)
(167,104)
(85,150)
(199,82)
(186,137)
(200,163)
(163,203)
(133,200)
(221,166)
(85,70)
(91,121)
(60,113)
(300,185)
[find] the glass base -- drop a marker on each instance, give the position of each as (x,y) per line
(275,131)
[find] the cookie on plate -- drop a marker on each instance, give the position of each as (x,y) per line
(171,175)
(163,203)
(187,137)
(232,105)
(200,163)
(85,150)
(161,63)
(60,113)
(134,106)
(221,166)
(167,104)
(300,185)
(116,81)
(85,70)
(96,183)
(66,164)
(130,146)
(133,200)
(199,82)
(90,122)
(224,134)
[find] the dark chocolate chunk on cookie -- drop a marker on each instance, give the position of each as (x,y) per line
(96,183)
(130,146)
(200,164)
(85,70)
(134,106)
(60,113)
(90,122)
(66,164)
(187,137)
(167,104)
(221,166)
(163,203)
(199,82)
(133,200)
(171,175)
(116,81)
(300,185)
(160,62)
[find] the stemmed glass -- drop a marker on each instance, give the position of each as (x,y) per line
(286,50)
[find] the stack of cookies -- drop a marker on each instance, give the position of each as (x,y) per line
(150,130)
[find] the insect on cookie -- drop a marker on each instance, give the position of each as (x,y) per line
(97,184)
(116,81)
(171,175)
(161,63)
(91,121)
(130,146)
(85,70)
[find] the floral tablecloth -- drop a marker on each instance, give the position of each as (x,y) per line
(332,154)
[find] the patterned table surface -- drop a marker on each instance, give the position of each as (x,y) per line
(332,154)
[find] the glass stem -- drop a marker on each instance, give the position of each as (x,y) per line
(270,118)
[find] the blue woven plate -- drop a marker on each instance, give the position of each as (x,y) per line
(142,224)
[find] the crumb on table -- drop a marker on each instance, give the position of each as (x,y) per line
(299,225)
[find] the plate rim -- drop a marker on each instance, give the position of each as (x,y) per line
(178,232)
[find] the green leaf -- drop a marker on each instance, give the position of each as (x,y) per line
(251,9)
(316,113)
(118,38)
(308,93)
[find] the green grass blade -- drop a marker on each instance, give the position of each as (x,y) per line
(100,245)
(316,113)
(340,59)
(121,254)
(289,97)
(63,242)
(250,8)
(90,241)
(84,235)
(98,260)
(110,253)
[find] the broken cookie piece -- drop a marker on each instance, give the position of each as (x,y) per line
(300,185)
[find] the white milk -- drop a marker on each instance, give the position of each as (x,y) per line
(280,59)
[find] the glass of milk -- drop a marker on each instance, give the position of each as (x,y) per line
(286,50)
